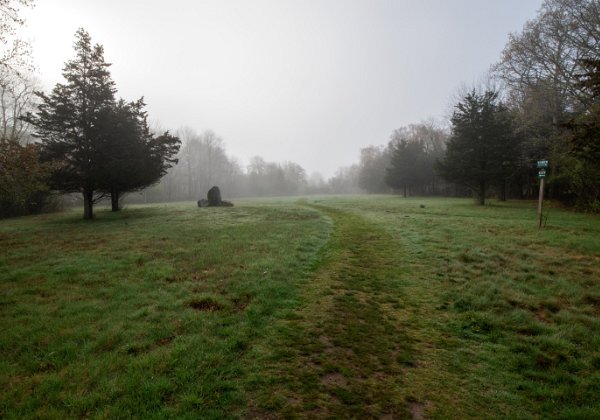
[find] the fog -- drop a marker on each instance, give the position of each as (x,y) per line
(310,82)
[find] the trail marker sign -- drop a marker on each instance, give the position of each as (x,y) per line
(542,165)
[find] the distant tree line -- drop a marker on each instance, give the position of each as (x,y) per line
(407,163)
(543,104)
(545,108)
(81,139)
(548,73)
(203,162)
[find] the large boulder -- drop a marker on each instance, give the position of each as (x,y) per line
(213,199)
(214,196)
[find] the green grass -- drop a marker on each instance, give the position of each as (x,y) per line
(359,306)
(110,318)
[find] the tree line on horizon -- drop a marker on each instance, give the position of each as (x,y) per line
(79,143)
(542,102)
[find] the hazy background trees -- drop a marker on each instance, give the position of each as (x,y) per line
(204,162)
(413,152)
(23,186)
(371,169)
(22,177)
(405,164)
(275,179)
(544,105)
(15,54)
(548,111)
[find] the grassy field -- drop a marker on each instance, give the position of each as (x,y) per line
(325,307)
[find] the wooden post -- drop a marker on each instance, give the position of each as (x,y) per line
(540,202)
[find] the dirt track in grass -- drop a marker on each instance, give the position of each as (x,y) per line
(343,354)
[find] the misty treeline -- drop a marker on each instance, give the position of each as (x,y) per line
(407,163)
(542,102)
(204,162)
(80,142)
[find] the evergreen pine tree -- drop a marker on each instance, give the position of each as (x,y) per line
(67,122)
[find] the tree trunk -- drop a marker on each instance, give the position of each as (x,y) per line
(404,190)
(503,191)
(114,200)
(482,193)
(88,204)
(189,180)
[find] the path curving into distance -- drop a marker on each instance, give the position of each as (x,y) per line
(343,353)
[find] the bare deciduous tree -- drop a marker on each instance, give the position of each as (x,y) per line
(17,98)
(15,52)
(550,49)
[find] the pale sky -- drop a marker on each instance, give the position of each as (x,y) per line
(310,81)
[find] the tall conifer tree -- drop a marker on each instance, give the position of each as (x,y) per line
(67,122)
(483,149)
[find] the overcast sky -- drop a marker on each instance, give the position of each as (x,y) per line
(310,81)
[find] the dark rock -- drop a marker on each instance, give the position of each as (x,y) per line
(214,199)
(422,206)
(214,196)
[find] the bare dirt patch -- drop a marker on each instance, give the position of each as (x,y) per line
(334,379)
(417,409)
(205,305)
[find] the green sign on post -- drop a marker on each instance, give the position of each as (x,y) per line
(542,165)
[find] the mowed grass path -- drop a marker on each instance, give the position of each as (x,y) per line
(337,307)
(342,354)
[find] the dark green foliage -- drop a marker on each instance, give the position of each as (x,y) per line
(483,149)
(98,146)
(585,140)
(586,125)
(68,118)
(409,166)
(132,157)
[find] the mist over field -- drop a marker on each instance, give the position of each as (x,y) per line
(286,98)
